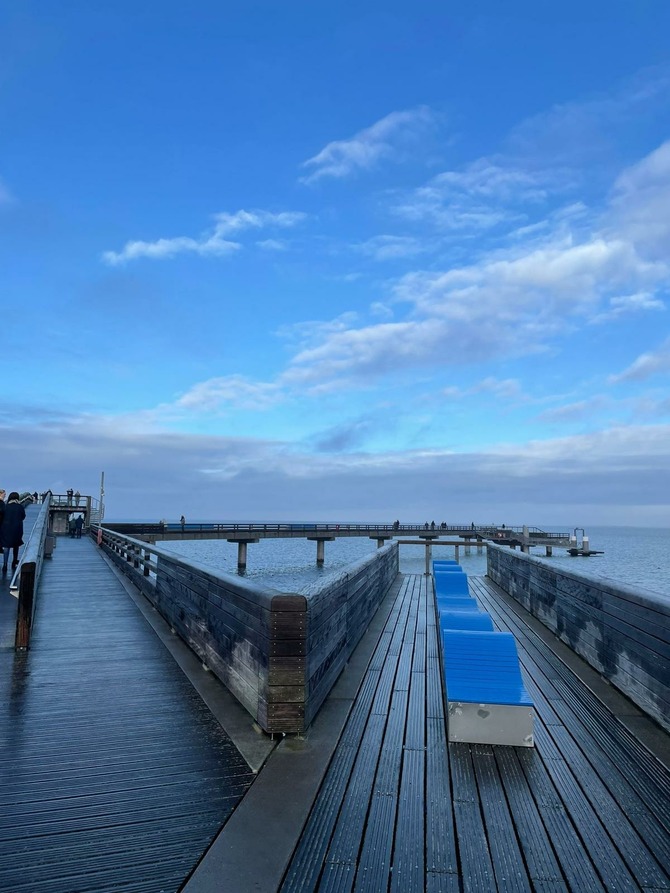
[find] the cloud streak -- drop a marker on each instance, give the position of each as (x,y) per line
(386,139)
(214,242)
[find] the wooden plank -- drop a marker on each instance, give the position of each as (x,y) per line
(440,836)
(476,868)
(508,863)
(408,870)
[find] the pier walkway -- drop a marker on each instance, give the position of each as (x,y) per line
(117,778)
(114,775)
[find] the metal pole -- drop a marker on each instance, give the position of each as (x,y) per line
(102,496)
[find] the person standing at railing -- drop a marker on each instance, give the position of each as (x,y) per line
(11,532)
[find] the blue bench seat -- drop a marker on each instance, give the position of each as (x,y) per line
(456,603)
(487,700)
(451,618)
(451,584)
(444,562)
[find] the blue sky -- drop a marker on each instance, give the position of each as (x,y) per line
(338,262)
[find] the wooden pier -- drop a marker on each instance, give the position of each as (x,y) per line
(115,777)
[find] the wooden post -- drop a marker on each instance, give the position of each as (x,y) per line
(24,616)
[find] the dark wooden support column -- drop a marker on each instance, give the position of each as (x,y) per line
(24,617)
(283,709)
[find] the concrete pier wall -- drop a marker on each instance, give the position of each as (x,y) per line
(623,633)
(278,653)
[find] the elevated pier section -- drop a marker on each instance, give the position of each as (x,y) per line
(372,797)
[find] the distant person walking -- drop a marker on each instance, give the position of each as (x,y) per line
(77,497)
(11,532)
(78,524)
(182,521)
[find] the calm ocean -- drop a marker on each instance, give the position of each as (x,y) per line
(636,556)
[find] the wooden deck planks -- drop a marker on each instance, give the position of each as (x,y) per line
(585,810)
(113,773)
(399,810)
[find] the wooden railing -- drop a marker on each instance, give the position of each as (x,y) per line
(278,653)
(222,529)
(25,580)
(624,633)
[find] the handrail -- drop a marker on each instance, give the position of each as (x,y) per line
(466,530)
(27,574)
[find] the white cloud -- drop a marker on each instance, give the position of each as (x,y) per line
(503,388)
(571,412)
(568,133)
(232,391)
(213,242)
(249,478)
(625,304)
(391,247)
(646,365)
(383,140)
(273,245)
(641,203)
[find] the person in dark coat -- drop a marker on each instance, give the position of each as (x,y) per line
(11,532)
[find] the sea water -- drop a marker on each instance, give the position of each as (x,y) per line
(635,556)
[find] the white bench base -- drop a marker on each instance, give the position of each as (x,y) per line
(490,724)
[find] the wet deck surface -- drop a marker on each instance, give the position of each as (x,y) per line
(587,809)
(113,773)
(115,777)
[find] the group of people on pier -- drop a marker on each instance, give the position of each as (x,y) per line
(12,514)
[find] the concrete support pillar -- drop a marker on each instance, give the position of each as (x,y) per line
(380,541)
(242,555)
(321,547)
(549,551)
(456,552)
(242,551)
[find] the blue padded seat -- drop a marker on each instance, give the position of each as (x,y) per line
(456,603)
(460,619)
(451,584)
(483,668)
(439,563)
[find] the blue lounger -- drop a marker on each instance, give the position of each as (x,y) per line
(456,603)
(486,698)
(444,562)
(451,618)
(451,584)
